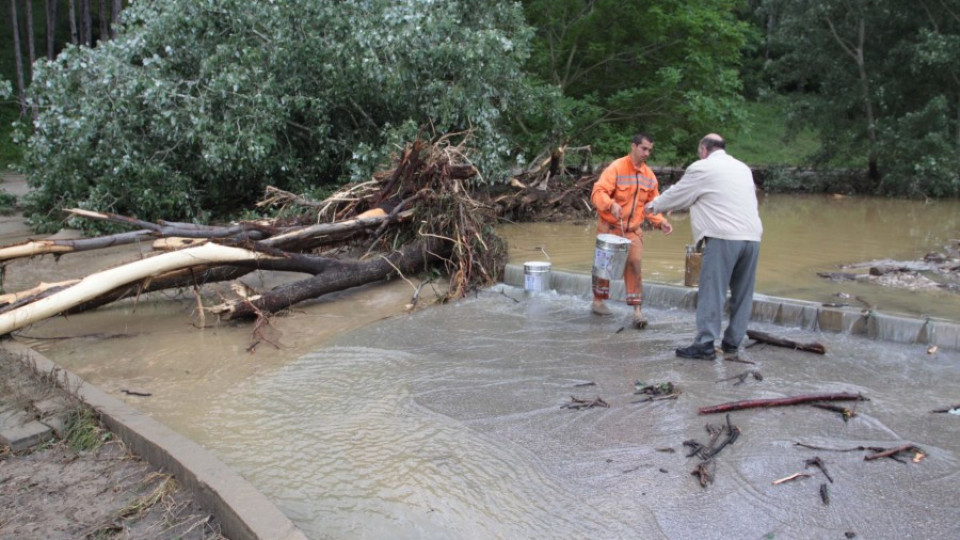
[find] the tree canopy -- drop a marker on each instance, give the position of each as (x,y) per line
(196,106)
(880,80)
(669,68)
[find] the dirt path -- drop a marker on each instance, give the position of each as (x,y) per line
(58,489)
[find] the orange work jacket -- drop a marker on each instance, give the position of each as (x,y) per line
(632,188)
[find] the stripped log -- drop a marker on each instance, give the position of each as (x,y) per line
(331,275)
(763,337)
(779,402)
(102,282)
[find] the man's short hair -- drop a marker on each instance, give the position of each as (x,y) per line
(640,137)
(712,142)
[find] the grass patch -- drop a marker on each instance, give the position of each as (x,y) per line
(764,139)
(84,431)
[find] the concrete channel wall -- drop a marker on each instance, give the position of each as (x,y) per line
(244,512)
(770,309)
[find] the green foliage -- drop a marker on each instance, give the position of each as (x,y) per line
(763,138)
(8,203)
(670,68)
(198,105)
(880,81)
(84,432)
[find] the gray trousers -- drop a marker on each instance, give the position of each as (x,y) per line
(726,264)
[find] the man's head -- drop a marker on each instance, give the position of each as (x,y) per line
(709,144)
(640,148)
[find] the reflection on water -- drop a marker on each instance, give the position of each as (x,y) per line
(803,235)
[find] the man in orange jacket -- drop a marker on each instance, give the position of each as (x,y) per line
(619,196)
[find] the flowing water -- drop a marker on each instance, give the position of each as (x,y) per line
(366,421)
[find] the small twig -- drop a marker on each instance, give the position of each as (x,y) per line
(947,409)
(815,461)
(741,378)
(704,471)
(577,403)
(892,452)
(675,395)
(792,477)
(854,449)
(847,413)
(132,393)
(510,297)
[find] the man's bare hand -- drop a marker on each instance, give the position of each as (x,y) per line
(666,227)
(616,210)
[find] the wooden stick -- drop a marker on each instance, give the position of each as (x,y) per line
(813,347)
(779,402)
(793,476)
(890,452)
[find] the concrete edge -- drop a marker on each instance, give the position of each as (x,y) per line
(244,512)
(771,309)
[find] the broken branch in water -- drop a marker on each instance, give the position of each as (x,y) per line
(741,378)
(704,472)
(790,478)
(815,461)
(577,403)
(847,413)
(813,347)
(949,409)
(779,402)
(892,453)
(854,449)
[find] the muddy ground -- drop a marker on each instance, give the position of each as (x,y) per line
(55,490)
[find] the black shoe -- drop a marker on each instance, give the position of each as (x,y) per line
(699,352)
(728,348)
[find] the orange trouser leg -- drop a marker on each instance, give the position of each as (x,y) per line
(632,276)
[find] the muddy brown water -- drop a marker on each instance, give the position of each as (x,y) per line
(803,235)
(371,422)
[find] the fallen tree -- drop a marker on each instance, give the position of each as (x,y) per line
(417,216)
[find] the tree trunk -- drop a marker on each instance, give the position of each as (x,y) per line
(103,282)
(855,51)
(74,30)
(104,21)
(337,277)
(86,23)
(115,17)
(18,55)
(51,10)
(31,42)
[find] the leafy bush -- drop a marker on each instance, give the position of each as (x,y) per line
(198,105)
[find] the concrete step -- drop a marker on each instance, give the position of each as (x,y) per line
(21,431)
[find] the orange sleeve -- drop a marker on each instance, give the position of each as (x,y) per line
(603,189)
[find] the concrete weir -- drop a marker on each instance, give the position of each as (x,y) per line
(244,513)
(769,309)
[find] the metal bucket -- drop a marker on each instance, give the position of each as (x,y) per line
(610,258)
(692,264)
(536,276)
